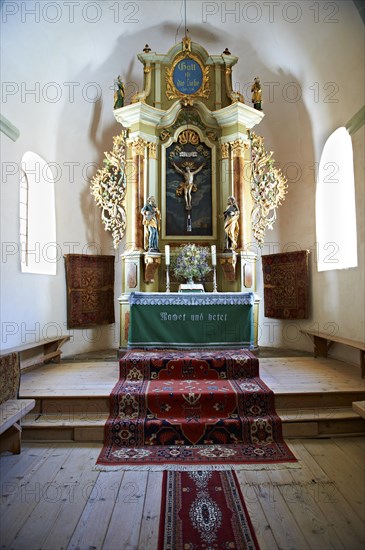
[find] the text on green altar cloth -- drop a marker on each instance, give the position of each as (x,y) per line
(164,316)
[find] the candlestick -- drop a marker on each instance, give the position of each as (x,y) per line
(214,255)
(167,254)
(167,279)
(215,289)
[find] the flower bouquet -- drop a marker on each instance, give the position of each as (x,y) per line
(192,262)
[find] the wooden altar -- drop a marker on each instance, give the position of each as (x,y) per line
(188,146)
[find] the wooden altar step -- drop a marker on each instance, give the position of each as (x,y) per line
(312,396)
(306,423)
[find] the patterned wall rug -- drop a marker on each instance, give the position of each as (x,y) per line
(192,408)
(90,290)
(286,285)
(204,509)
(9,376)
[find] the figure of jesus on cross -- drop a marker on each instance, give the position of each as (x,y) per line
(187,186)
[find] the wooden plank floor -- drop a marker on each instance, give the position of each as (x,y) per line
(283,375)
(54,499)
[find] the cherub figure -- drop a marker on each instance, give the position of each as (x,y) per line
(187,186)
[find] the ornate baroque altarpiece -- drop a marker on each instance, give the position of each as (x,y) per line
(188,145)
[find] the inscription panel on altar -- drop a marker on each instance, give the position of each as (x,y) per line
(190,322)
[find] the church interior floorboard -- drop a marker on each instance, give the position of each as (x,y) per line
(53,498)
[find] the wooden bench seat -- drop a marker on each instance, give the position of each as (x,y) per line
(12,409)
(323,341)
(11,413)
(39,352)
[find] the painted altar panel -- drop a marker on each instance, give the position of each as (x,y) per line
(197,220)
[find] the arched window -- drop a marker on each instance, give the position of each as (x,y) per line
(335,204)
(37,217)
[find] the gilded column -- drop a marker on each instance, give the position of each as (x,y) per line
(238,154)
(138,150)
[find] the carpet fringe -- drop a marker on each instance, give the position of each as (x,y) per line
(198,467)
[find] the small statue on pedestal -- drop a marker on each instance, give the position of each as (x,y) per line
(119,94)
(231,224)
(257,94)
(152,222)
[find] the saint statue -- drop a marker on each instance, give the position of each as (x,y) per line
(231,224)
(257,94)
(187,186)
(119,94)
(152,222)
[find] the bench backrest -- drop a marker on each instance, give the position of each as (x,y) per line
(9,377)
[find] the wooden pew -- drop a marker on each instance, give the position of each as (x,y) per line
(323,341)
(43,351)
(12,409)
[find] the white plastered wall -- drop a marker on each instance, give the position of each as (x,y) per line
(310,62)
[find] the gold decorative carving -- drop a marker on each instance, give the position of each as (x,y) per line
(138,146)
(164,135)
(187,101)
(228,263)
(173,93)
(151,265)
(108,187)
(189,136)
(186,43)
(233,95)
(224,151)
(152,148)
(238,148)
(212,135)
(268,188)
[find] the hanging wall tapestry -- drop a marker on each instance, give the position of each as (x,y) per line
(286,285)
(9,377)
(90,290)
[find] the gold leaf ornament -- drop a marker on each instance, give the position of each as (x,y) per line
(268,188)
(108,188)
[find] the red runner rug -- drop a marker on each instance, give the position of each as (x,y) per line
(204,509)
(179,407)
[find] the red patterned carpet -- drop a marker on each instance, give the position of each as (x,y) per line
(179,407)
(204,510)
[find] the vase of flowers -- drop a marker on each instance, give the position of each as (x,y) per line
(191,263)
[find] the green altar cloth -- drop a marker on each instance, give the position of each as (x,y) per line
(188,321)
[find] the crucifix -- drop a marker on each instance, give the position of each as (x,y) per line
(187,187)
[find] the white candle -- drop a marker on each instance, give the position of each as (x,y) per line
(214,255)
(167,254)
